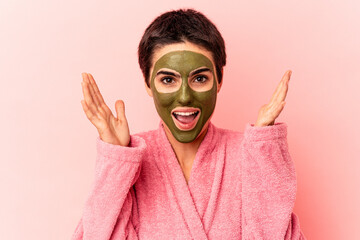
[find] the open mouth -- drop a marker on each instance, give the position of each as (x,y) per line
(185,117)
(186,120)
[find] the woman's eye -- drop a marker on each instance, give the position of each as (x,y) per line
(167,80)
(200,79)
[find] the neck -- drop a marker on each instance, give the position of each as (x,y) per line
(185,152)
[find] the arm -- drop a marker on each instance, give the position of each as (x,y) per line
(268,185)
(108,208)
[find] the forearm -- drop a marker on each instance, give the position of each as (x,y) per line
(268,182)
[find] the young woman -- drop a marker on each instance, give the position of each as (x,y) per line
(188,179)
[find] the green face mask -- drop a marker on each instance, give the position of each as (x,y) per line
(184,62)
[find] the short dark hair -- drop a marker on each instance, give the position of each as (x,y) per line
(179,26)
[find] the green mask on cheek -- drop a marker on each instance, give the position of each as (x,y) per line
(184,62)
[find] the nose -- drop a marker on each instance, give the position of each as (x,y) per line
(185,96)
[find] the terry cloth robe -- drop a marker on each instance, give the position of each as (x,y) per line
(241,186)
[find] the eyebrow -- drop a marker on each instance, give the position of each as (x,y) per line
(177,75)
(199,71)
(168,73)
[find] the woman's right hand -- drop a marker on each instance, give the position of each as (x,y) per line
(111,130)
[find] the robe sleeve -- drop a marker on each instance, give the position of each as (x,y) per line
(268,185)
(108,209)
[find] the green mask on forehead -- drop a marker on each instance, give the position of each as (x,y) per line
(184,62)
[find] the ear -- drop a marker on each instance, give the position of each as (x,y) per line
(148,90)
(219,86)
(222,80)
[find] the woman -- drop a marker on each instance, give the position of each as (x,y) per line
(188,179)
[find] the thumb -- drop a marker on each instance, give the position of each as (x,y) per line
(120,110)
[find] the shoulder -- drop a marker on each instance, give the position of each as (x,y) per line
(254,133)
(146,135)
(228,136)
(150,136)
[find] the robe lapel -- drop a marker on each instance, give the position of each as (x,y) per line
(206,176)
(180,189)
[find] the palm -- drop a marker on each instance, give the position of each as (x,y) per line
(120,129)
(269,112)
(112,130)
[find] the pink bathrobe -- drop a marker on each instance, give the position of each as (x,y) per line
(241,186)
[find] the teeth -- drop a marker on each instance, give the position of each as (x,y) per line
(185,113)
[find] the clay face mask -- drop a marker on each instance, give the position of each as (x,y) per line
(184,89)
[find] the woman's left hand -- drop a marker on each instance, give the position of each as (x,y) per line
(269,112)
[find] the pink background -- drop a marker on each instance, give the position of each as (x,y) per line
(48,144)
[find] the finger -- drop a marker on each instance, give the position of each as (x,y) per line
(87,96)
(278,110)
(89,114)
(120,110)
(280,86)
(96,89)
(282,94)
(92,91)
(102,107)
(86,91)
(278,95)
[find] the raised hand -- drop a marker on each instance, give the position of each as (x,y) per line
(111,130)
(269,112)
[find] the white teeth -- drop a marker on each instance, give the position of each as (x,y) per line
(185,113)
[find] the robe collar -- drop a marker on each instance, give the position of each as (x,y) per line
(182,190)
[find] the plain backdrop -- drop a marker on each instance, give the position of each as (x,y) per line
(48,145)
